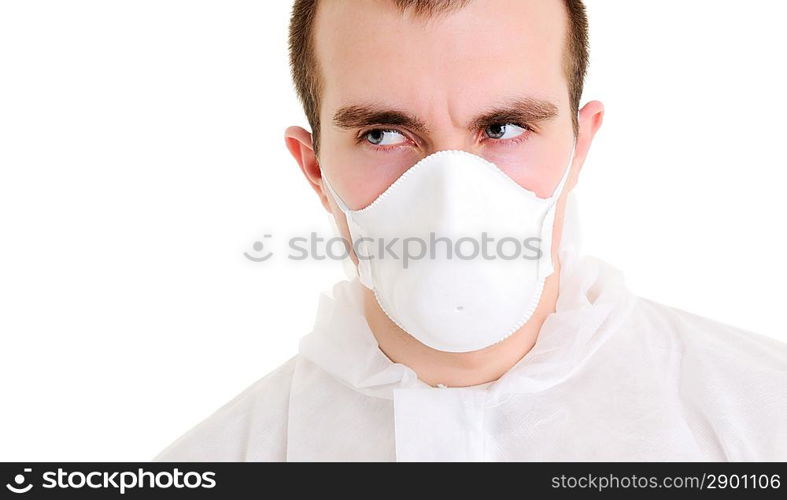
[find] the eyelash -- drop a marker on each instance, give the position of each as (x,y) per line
(361,138)
(528,130)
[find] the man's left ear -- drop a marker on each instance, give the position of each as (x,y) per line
(589,120)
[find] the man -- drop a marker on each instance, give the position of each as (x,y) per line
(462,115)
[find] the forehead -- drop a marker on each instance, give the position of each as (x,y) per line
(368,51)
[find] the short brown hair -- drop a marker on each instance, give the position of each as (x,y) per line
(304,67)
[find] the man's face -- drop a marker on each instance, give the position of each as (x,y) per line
(487,79)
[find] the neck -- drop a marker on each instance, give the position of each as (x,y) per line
(459,369)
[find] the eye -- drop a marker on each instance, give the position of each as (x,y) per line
(380,137)
(503,131)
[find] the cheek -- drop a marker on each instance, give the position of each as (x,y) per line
(361,175)
(537,169)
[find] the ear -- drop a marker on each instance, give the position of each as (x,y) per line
(299,143)
(589,120)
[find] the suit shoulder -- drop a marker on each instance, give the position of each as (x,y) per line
(250,427)
(704,337)
(731,381)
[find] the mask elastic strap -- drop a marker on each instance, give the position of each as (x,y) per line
(546,266)
(364,267)
(564,177)
(339,202)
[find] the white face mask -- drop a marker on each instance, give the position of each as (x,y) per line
(467,291)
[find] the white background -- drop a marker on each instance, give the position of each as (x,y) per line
(141,153)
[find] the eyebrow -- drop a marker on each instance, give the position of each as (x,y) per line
(526,110)
(364,116)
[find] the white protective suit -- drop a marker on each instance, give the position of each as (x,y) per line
(612,377)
